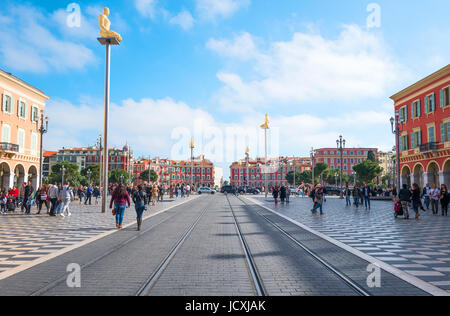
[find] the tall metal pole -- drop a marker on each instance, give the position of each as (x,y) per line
(99,141)
(312,164)
(265,163)
(397,130)
(42,130)
(105,126)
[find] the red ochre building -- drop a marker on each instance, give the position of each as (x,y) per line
(424,109)
(276,176)
(173,172)
(351,157)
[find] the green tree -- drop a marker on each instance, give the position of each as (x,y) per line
(290,178)
(71,173)
(331,175)
(319,169)
(367,171)
(115,176)
(153,176)
(305,176)
(371,156)
(95,174)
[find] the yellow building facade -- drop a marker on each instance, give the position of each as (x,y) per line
(20,115)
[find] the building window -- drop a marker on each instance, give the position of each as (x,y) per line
(35,114)
(415,109)
(445,97)
(403,114)
(34,144)
(430,104)
(8,103)
(22,112)
(431,135)
(403,143)
(445,132)
(6,133)
(416,139)
(21,140)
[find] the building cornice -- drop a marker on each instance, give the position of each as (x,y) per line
(422,83)
(23,84)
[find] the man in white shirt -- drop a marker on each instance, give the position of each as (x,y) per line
(434,196)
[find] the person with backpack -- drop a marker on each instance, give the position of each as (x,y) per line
(318,199)
(89,192)
(404,197)
(140,200)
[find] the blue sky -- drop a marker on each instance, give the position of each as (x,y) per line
(211,68)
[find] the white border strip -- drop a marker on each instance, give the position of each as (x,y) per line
(11,272)
(425,286)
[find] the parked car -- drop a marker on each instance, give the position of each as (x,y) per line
(253,191)
(227,189)
(330,191)
(206,190)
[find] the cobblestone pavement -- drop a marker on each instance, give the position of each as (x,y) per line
(26,239)
(209,262)
(420,248)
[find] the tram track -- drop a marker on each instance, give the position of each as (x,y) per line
(347,280)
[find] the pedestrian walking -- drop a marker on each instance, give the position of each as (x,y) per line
(140,200)
(154,194)
(283,194)
(120,198)
(426,196)
(404,197)
(367,192)
(67,197)
(53,195)
(27,197)
(347,194)
(435,194)
(318,199)
(356,196)
(416,199)
(275,194)
(89,192)
(96,193)
(444,198)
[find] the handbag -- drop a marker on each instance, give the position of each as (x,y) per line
(114,212)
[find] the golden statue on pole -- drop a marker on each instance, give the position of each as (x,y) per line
(105,26)
(266,123)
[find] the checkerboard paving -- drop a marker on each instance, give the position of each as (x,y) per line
(420,248)
(26,238)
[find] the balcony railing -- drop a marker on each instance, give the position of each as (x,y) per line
(426,148)
(9,147)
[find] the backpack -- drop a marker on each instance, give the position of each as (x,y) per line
(398,209)
(139,197)
(312,195)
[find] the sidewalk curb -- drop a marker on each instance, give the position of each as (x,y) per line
(9,273)
(420,284)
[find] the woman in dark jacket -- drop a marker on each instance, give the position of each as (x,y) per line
(444,200)
(283,194)
(275,194)
(416,199)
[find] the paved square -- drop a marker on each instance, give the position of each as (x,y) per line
(420,248)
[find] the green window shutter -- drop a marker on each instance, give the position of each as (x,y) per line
(420,138)
(443,133)
(431,134)
(433,103)
(413,142)
(412,109)
(448,132)
(418,109)
(400,145)
(442,98)
(426,105)
(4,103)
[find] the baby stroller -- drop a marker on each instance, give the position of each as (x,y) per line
(398,210)
(11,204)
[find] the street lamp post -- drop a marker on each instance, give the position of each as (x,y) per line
(63,170)
(247,159)
(265,127)
(42,130)
(397,130)
(89,173)
(99,144)
(312,165)
(341,145)
(192,146)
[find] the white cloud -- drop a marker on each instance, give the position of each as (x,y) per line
(241,47)
(308,68)
(27,44)
(211,9)
(183,19)
(147,8)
